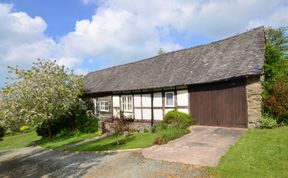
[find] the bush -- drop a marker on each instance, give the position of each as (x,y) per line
(277,102)
(2,131)
(158,127)
(178,119)
(79,118)
(172,133)
(268,122)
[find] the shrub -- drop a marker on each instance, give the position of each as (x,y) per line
(2,131)
(24,128)
(178,119)
(172,133)
(277,102)
(159,126)
(268,122)
(120,125)
(80,117)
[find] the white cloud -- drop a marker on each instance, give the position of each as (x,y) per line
(22,38)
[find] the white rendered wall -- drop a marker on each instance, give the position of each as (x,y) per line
(137,100)
(128,114)
(147,114)
(116,112)
(157,99)
(184,110)
(116,101)
(146,100)
(158,114)
(167,110)
(182,98)
(137,113)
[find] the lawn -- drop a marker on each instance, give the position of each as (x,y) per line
(18,141)
(31,138)
(259,153)
(62,141)
(135,140)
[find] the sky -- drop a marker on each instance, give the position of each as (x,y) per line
(88,35)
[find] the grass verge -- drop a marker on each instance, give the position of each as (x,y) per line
(259,153)
(134,140)
(62,141)
(18,141)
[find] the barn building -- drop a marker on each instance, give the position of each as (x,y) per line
(219,84)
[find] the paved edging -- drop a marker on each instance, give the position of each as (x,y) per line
(106,151)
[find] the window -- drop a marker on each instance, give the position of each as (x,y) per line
(169,96)
(104,106)
(126,103)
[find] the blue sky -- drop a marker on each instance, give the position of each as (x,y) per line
(87,35)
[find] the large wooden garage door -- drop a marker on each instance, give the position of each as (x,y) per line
(219,104)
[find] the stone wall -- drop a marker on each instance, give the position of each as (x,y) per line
(254,100)
(139,125)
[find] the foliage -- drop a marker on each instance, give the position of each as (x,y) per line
(24,128)
(159,126)
(79,118)
(267,122)
(39,95)
(277,102)
(161,51)
(178,119)
(2,131)
(258,153)
(119,125)
(165,135)
(18,141)
(134,140)
(276,73)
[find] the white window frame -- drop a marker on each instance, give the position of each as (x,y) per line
(172,99)
(102,106)
(125,105)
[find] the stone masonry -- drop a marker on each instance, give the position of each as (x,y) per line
(254,100)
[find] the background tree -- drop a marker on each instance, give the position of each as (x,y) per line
(161,51)
(39,95)
(276,74)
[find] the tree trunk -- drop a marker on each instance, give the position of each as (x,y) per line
(49,132)
(117,141)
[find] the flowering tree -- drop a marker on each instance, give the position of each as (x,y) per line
(39,95)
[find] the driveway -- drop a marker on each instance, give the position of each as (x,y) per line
(37,162)
(204,146)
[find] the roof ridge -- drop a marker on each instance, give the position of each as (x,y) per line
(184,49)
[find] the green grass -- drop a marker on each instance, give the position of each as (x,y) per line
(31,138)
(62,141)
(135,140)
(18,141)
(259,153)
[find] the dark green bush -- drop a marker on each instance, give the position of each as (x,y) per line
(268,122)
(165,135)
(79,118)
(2,131)
(178,119)
(277,102)
(159,126)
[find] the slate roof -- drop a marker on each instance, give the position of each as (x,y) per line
(237,56)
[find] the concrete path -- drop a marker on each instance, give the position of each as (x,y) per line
(204,146)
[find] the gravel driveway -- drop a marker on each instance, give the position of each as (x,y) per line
(37,162)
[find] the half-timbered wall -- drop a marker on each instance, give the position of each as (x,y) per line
(148,105)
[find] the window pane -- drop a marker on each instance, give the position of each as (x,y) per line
(169,99)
